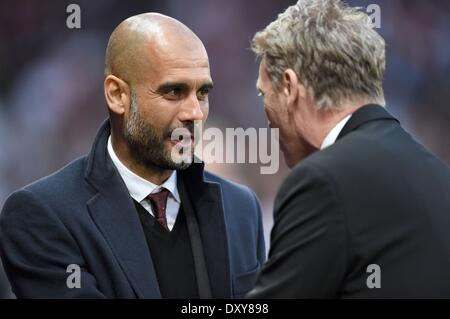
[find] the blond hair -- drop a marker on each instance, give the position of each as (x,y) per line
(332,48)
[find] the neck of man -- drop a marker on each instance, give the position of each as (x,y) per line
(152,174)
(327,120)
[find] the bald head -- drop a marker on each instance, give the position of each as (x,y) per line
(157,80)
(142,40)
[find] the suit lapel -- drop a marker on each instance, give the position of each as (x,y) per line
(206,199)
(367,113)
(114,213)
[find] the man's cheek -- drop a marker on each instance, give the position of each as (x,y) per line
(269,114)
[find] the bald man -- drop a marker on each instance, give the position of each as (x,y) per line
(134,219)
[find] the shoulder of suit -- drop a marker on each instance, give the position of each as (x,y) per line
(68,177)
(349,155)
(63,188)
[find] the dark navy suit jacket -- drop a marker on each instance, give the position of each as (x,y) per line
(84,215)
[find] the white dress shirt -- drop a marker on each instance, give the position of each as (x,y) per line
(140,188)
(334,133)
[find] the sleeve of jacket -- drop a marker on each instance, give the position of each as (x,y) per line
(309,241)
(37,249)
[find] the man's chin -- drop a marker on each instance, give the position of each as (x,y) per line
(180,163)
(169,164)
(183,166)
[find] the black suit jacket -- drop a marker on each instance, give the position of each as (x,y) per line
(84,215)
(374,197)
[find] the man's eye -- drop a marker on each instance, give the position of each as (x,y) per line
(174,92)
(204,91)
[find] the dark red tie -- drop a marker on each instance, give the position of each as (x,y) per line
(159,202)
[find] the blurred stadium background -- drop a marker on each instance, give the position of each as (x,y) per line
(51,90)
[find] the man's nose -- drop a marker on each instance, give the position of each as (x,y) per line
(192,110)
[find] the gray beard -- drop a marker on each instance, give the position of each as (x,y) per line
(146,144)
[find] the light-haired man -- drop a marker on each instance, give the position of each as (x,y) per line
(365,212)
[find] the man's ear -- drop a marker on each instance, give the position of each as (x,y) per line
(290,86)
(117,94)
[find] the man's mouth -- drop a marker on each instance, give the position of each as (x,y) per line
(185,139)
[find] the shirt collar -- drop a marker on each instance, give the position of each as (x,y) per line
(138,187)
(330,139)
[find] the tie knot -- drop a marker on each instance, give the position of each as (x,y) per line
(159,202)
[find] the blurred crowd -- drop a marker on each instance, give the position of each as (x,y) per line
(51,78)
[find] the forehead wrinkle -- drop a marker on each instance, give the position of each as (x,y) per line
(183,63)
